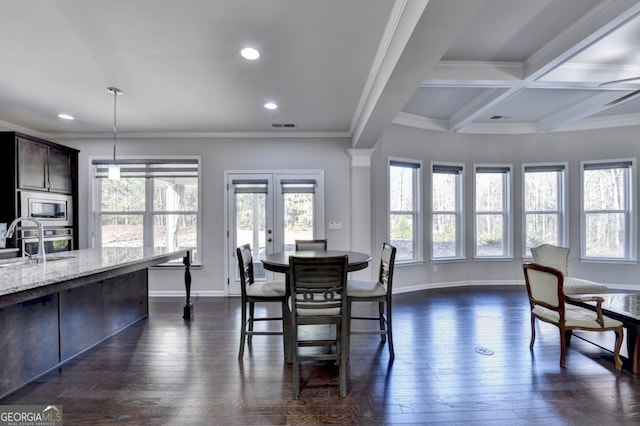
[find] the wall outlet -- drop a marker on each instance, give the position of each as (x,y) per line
(335,225)
(435,268)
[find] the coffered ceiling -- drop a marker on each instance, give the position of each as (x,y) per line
(344,68)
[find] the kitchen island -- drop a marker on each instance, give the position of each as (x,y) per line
(50,312)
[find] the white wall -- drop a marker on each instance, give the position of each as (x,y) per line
(330,155)
(218,155)
(572,147)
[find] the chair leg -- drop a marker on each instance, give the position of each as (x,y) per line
(347,343)
(616,353)
(533,331)
(251,316)
(381,319)
(563,346)
(392,354)
(286,332)
(294,363)
(344,338)
(243,331)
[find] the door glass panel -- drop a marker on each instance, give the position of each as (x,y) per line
(298,218)
(251,227)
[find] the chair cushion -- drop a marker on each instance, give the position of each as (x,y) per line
(575,316)
(357,288)
(552,256)
(579,286)
(267,289)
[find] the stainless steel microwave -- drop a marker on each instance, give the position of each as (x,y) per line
(50,209)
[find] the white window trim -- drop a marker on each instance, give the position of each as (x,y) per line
(562,204)
(631,215)
(460,214)
(418,255)
(508,212)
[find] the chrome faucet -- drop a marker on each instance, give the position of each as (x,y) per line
(12,227)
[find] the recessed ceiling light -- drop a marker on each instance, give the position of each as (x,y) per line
(65,116)
(270,105)
(250,53)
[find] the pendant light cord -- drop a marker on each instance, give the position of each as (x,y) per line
(115,92)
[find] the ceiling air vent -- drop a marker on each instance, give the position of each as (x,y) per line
(283,125)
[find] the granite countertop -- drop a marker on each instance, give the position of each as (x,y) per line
(75,264)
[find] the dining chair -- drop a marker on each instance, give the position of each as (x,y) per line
(253,292)
(318,297)
(549,304)
(376,291)
(311,245)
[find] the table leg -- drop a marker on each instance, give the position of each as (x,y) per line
(188,307)
(633,347)
(288,332)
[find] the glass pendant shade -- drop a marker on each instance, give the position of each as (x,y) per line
(114,172)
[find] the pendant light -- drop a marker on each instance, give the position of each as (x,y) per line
(114,168)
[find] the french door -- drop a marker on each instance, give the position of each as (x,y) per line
(269,211)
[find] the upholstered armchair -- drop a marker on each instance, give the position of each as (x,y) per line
(558,258)
(549,303)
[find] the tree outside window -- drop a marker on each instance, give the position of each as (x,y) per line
(608,219)
(544,218)
(153,204)
(446,211)
(492,212)
(404,212)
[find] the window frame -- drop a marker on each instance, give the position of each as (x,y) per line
(507,210)
(149,212)
(459,211)
(562,202)
(630,249)
(416,213)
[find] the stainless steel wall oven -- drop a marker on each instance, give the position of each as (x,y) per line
(56,240)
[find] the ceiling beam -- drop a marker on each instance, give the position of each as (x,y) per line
(424,32)
(600,21)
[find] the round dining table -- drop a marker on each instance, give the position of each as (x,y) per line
(279,262)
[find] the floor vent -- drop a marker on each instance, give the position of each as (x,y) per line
(283,125)
(483,351)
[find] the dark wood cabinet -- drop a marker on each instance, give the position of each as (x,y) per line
(44,167)
(33,164)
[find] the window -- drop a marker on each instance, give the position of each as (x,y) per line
(405,216)
(155,203)
(447,218)
(543,206)
(608,219)
(492,211)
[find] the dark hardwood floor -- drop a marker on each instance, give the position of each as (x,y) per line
(462,357)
